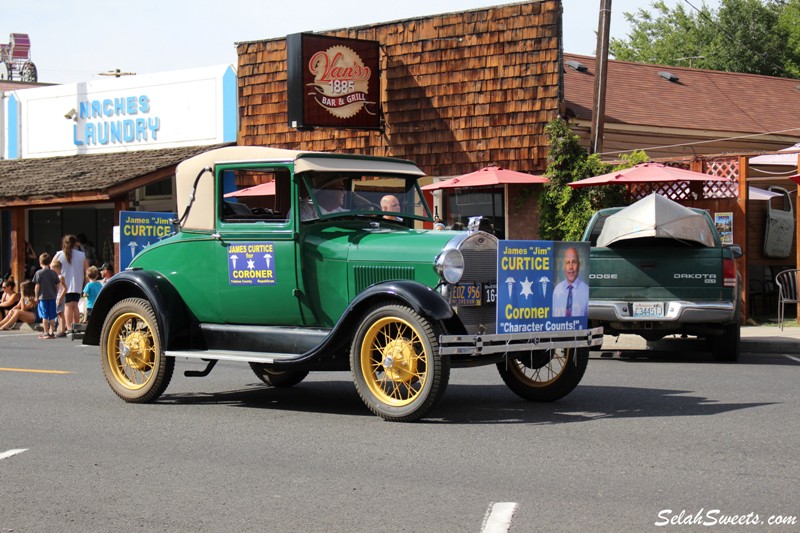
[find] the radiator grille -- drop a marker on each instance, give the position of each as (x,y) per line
(366,275)
(480,266)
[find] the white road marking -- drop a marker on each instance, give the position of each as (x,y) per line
(792,358)
(12,453)
(498,517)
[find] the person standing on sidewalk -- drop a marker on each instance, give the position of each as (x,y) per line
(46,291)
(73,267)
(55,264)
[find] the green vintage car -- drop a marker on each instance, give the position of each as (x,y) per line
(300,261)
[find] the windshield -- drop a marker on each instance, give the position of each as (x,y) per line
(390,198)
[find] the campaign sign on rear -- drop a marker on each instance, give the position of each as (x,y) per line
(140,229)
(541,286)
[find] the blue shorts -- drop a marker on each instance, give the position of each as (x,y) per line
(47,309)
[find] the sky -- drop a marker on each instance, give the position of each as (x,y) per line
(77,40)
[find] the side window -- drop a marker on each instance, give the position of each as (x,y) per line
(255,195)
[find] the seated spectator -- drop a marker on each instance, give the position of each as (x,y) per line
(10,297)
(26,309)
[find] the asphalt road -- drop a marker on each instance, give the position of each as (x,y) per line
(654,439)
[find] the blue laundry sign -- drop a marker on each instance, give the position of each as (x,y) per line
(541,286)
(140,229)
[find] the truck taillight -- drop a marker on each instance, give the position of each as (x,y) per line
(729,272)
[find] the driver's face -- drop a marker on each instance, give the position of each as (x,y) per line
(331,195)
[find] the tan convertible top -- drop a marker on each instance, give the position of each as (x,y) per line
(201,215)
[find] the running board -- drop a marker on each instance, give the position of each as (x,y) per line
(230,355)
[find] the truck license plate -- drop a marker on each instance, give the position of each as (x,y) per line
(466,294)
(648,310)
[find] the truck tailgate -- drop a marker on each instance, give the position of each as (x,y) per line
(657,273)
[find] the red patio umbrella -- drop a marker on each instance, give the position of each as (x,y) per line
(265,189)
(645,173)
(795,179)
(486,177)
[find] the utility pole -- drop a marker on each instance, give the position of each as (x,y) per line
(600,77)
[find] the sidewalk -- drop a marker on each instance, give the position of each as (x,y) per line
(755,339)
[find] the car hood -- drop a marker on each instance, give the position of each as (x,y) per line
(357,243)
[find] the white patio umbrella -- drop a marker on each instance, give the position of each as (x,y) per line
(656,216)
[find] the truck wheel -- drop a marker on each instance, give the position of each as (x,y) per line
(545,375)
(132,356)
(726,346)
(396,365)
(277,378)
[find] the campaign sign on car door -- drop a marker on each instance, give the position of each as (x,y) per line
(541,286)
(251,263)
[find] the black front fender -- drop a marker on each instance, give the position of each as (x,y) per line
(421,298)
(171,313)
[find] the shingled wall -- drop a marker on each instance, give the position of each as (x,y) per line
(460,90)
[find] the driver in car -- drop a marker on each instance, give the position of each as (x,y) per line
(330,199)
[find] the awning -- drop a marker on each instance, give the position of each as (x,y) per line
(778,159)
(87,178)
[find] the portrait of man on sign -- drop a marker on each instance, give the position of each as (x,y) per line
(571,294)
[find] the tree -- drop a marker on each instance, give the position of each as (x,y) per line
(564,211)
(749,36)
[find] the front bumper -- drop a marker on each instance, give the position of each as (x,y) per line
(512,343)
(680,311)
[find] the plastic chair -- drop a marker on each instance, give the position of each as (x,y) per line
(787,291)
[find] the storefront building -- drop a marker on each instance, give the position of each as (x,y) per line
(76,155)
(454,93)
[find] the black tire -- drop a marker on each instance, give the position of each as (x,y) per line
(397,368)
(545,375)
(132,352)
(277,378)
(726,346)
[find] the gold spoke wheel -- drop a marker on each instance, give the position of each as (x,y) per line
(397,368)
(133,360)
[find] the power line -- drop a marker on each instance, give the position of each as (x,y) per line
(702,142)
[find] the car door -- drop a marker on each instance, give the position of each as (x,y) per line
(256,256)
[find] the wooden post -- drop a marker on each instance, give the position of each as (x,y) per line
(18,244)
(740,229)
(119,205)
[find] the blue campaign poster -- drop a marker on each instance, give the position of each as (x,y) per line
(541,286)
(140,229)
(251,263)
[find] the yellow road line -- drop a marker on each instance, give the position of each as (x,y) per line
(34,371)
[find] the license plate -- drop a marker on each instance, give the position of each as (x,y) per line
(648,310)
(490,293)
(467,294)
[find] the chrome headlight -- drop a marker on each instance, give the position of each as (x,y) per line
(450,265)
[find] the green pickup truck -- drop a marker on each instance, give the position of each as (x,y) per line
(295,262)
(655,275)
